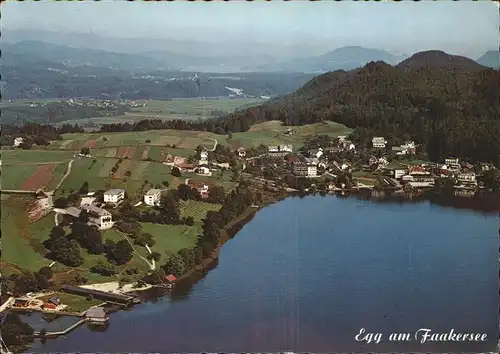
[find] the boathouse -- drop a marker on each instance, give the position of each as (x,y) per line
(101,295)
(171,278)
(97,315)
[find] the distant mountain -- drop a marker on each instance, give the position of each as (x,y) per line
(490,59)
(439,60)
(345,58)
(41,52)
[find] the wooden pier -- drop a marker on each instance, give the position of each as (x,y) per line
(38,334)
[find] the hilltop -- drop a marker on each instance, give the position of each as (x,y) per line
(437,59)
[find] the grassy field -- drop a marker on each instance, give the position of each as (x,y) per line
(184,109)
(34,156)
(22,241)
(196,209)
(171,238)
(75,303)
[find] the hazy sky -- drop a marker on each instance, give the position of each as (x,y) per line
(462,27)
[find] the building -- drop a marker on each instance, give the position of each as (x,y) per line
(152,197)
(203,171)
(398,173)
(379,142)
(407,148)
(280,149)
(348,145)
(186,167)
(452,163)
(97,315)
(467,178)
(98,216)
(171,278)
(241,152)
(202,188)
(305,169)
(461,191)
(204,155)
(316,153)
(114,196)
(18,141)
(418,171)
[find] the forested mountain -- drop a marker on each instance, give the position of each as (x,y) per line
(491,59)
(449,104)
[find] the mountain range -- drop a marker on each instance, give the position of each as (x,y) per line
(190,55)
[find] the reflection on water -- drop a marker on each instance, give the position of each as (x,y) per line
(307,274)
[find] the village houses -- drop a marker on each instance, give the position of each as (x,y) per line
(152,197)
(114,196)
(405,149)
(305,169)
(280,149)
(398,173)
(452,164)
(379,142)
(203,171)
(97,216)
(467,178)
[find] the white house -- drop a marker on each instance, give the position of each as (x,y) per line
(398,173)
(379,142)
(203,155)
(18,141)
(241,152)
(98,216)
(152,197)
(305,169)
(114,196)
(316,152)
(452,163)
(467,177)
(203,171)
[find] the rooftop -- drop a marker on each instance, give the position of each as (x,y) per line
(114,192)
(153,191)
(97,210)
(98,312)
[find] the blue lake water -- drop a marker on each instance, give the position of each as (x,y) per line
(307,274)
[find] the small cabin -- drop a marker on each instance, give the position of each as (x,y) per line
(97,315)
(171,278)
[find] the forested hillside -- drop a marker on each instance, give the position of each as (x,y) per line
(450,105)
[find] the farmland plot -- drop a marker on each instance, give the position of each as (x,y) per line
(39,179)
(196,209)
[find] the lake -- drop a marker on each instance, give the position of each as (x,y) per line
(307,274)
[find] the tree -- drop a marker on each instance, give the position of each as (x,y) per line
(14,331)
(216,194)
(84,189)
(175,265)
(157,276)
(85,150)
(46,272)
(198,254)
(67,252)
(188,257)
(189,221)
(155,255)
(120,252)
(176,172)
(102,268)
(61,203)
(165,184)
(93,241)
(145,239)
